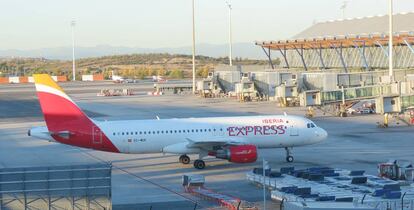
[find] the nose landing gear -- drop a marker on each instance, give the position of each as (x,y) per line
(289,157)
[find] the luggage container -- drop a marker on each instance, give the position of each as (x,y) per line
(193,180)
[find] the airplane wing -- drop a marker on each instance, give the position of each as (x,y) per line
(218,141)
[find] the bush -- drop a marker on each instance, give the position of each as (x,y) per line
(176,74)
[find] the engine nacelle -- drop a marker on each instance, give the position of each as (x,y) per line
(238,154)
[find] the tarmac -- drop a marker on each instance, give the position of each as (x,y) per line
(142,181)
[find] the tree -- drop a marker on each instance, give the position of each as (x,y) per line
(150,72)
(161,72)
(140,74)
(203,72)
(176,74)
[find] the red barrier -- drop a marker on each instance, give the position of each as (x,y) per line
(4,80)
(98,77)
(62,78)
(23,79)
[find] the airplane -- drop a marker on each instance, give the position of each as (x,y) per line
(236,139)
(116,78)
(158,79)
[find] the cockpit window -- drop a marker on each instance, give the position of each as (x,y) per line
(310,125)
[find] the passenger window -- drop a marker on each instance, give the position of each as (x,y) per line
(209,130)
(122,133)
(140,132)
(192,131)
(153,132)
(126,133)
(158,132)
(113,134)
(214,129)
(171,131)
(179,131)
(221,129)
(145,132)
(205,130)
(183,131)
(162,131)
(188,131)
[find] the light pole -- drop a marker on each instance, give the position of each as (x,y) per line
(193,49)
(230,36)
(72,24)
(390,41)
(343,7)
(265,166)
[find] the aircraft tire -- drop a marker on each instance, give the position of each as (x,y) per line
(289,159)
(184,159)
(199,164)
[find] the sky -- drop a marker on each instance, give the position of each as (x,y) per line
(27,24)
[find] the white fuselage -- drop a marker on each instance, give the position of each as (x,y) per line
(154,136)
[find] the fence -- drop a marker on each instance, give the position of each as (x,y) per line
(61,187)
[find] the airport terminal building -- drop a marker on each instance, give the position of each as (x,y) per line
(349,44)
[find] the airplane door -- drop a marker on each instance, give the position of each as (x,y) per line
(96,135)
(127,148)
(293,131)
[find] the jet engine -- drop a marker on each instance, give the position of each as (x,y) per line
(237,154)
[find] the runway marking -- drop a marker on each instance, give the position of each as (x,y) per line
(366,152)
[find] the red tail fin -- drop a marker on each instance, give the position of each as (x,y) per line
(65,120)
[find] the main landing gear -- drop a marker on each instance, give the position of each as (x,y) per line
(289,157)
(198,164)
(184,159)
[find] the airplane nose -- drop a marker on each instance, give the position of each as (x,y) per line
(321,134)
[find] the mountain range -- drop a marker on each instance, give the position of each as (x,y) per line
(243,50)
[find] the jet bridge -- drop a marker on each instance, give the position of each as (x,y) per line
(246,89)
(210,87)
